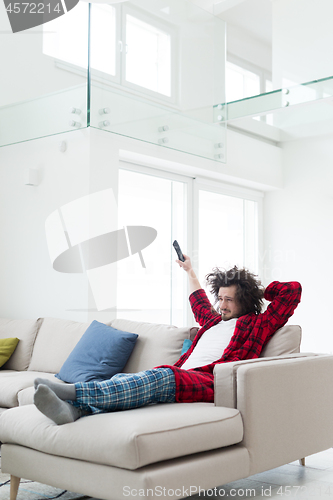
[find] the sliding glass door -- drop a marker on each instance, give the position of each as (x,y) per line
(156,292)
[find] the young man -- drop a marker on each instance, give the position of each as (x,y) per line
(238,331)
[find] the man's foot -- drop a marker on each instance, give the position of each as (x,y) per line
(63,391)
(57,410)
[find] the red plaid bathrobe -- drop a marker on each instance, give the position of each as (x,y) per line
(251,333)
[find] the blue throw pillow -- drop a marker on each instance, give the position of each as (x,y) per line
(186,345)
(101,352)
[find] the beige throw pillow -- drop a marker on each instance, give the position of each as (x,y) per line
(55,341)
(25,330)
(156,345)
(286,340)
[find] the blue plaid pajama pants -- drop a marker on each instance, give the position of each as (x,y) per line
(126,390)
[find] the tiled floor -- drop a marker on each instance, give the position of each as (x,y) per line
(293,481)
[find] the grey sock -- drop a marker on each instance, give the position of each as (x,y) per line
(57,410)
(63,391)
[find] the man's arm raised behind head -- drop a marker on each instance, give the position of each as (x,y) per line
(284,298)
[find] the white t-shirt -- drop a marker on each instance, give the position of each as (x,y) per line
(211,344)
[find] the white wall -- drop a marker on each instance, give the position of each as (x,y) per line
(302,40)
(297,218)
(30,287)
(243,45)
(299,236)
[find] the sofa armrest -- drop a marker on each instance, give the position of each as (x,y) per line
(225,377)
(287,409)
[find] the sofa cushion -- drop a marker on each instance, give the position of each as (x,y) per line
(128,439)
(55,341)
(26,396)
(25,330)
(157,344)
(286,340)
(12,382)
(101,352)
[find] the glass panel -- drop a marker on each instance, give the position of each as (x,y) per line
(286,116)
(148,56)
(268,86)
(169,101)
(236,240)
(298,56)
(58,37)
(103,34)
(49,99)
(172,100)
(289,39)
(138,118)
(240,82)
(47,115)
(154,293)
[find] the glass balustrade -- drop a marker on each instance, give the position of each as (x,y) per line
(141,119)
(155,72)
(46,115)
(163,77)
(43,89)
(290,113)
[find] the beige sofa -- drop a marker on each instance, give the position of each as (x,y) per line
(267,412)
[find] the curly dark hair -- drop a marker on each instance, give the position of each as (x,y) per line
(249,291)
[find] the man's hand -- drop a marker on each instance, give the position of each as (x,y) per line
(187,266)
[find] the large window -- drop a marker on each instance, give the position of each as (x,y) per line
(129,48)
(148,55)
(155,293)
(245,80)
(104,32)
(58,37)
(240,82)
(228,229)
(216,227)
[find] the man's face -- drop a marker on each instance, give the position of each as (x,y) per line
(228,304)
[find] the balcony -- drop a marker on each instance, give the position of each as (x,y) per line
(69,86)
